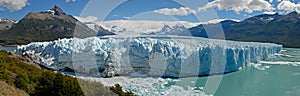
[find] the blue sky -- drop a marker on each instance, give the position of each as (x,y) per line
(186,10)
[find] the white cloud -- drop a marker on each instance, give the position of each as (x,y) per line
(238,6)
(271,1)
(269,12)
(182,11)
(248,6)
(70,0)
(288,6)
(87,19)
(298,8)
(126,17)
(13,5)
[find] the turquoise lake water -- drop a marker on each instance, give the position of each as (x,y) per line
(279,75)
(9,48)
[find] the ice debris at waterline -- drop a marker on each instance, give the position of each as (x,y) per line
(149,86)
(173,56)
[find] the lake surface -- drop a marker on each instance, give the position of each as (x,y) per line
(8,48)
(279,75)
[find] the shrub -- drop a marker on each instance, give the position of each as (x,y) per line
(42,82)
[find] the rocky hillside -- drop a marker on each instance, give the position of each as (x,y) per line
(47,26)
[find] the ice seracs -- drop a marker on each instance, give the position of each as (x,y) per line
(167,56)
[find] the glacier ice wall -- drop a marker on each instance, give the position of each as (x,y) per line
(169,56)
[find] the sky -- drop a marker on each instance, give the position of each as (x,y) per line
(167,10)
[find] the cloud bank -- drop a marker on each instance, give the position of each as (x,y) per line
(13,5)
(182,11)
(87,19)
(70,0)
(288,6)
(237,6)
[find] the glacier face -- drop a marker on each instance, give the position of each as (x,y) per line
(168,56)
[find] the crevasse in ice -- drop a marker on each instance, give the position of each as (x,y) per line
(168,56)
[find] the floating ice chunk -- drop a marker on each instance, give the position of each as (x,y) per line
(281,63)
(147,86)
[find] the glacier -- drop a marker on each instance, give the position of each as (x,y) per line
(158,56)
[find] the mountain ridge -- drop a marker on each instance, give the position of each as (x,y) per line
(6,24)
(47,26)
(276,28)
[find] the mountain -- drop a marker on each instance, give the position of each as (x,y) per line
(273,28)
(6,24)
(166,29)
(200,31)
(178,29)
(47,26)
(174,29)
(141,26)
(101,31)
(147,26)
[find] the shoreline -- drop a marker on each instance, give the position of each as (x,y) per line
(9,45)
(129,76)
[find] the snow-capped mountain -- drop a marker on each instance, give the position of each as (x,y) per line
(6,23)
(265,18)
(150,27)
(141,26)
(181,30)
(171,56)
(173,30)
(7,20)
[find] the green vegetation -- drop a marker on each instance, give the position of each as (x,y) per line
(33,30)
(118,90)
(8,90)
(40,27)
(39,82)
